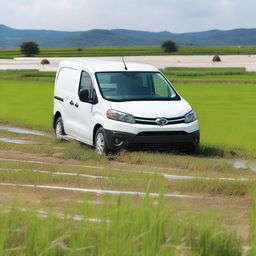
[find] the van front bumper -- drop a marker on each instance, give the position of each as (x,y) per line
(150,139)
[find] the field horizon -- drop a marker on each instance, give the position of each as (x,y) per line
(131,51)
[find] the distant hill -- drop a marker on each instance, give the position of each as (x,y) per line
(12,38)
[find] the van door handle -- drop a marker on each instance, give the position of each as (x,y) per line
(76,105)
(71,103)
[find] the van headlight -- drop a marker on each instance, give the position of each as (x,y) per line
(120,116)
(190,116)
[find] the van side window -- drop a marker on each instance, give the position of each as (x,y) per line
(85,83)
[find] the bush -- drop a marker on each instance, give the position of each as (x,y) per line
(169,46)
(29,48)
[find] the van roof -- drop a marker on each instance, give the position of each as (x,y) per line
(97,65)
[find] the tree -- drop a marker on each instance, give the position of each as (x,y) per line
(169,46)
(29,48)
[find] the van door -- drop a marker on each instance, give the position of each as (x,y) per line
(67,87)
(83,111)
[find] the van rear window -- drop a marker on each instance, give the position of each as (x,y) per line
(68,80)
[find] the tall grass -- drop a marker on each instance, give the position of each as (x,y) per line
(125,229)
(253,224)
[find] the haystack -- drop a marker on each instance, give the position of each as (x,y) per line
(216,58)
(45,62)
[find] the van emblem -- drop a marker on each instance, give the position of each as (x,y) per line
(161,121)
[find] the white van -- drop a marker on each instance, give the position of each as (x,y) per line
(112,105)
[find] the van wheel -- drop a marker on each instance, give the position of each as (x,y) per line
(59,128)
(100,142)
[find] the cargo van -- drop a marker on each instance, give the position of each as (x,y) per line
(112,105)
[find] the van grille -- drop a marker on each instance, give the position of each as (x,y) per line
(156,146)
(152,121)
(163,133)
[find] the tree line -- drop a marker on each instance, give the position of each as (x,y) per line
(30,48)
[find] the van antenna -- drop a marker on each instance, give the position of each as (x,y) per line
(125,67)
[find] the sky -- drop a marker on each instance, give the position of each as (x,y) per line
(151,15)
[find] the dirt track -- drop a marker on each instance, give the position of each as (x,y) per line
(247,61)
(234,209)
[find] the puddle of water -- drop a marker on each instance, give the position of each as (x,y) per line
(44,214)
(253,166)
(23,131)
(165,175)
(169,169)
(182,177)
(20,141)
(239,164)
(98,191)
(47,163)
(179,177)
(60,173)
(243,164)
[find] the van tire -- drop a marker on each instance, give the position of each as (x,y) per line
(100,144)
(59,128)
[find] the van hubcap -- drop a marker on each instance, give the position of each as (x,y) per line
(58,129)
(100,144)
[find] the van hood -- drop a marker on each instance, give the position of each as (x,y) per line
(153,109)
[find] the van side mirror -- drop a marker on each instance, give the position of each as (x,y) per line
(84,95)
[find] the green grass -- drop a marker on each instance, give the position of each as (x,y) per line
(183,71)
(126,229)
(27,75)
(225,108)
(28,103)
(131,51)
(226,113)
(225,76)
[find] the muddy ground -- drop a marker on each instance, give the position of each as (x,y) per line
(235,210)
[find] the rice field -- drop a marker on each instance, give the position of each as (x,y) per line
(60,198)
(214,94)
(132,51)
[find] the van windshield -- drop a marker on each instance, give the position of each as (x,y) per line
(129,86)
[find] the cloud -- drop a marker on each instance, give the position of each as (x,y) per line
(151,15)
